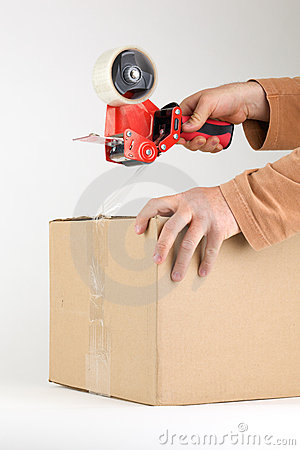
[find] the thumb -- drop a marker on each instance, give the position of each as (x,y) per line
(199,116)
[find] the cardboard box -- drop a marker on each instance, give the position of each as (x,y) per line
(120,327)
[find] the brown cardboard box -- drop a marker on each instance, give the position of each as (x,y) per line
(119,326)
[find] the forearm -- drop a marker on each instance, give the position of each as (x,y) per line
(266,202)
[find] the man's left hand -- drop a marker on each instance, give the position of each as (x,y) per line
(206,212)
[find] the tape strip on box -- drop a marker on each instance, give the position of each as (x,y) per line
(98,358)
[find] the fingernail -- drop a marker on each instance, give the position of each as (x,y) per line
(201,140)
(176,276)
(157,258)
(137,229)
(203,273)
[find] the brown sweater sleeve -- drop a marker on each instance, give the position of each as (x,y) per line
(266,202)
(283,130)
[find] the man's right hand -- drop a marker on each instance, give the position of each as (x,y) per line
(232,103)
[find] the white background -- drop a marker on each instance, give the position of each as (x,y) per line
(48,49)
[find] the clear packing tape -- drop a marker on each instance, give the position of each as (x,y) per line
(99,354)
(112,204)
(98,358)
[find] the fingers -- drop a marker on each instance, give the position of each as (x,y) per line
(189,104)
(165,206)
(187,248)
(214,242)
(199,106)
(184,209)
(181,141)
(199,115)
(168,235)
(195,144)
(210,145)
(217,149)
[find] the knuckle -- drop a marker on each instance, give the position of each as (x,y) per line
(180,265)
(184,198)
(152,202)
(188,244)
(177,200)
(204,147)
(218,231)
(162,246)
(219,235)
(183,206)
(200,219)
(170,199)
(211,253)
(140,219)
(169,226)
(206,266)
(204,94)
(184,211)
(189,145)
(195,117)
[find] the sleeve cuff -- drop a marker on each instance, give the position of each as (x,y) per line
(243,215)
(262,135)
(279,134)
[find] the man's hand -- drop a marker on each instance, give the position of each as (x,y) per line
(206,212)
(232,103)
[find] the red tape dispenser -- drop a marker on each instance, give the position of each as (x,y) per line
(137,131)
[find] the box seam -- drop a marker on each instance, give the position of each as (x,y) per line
(156,327)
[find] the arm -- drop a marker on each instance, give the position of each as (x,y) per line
(266,202)
(268,108)
(235,103)
(262,203)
